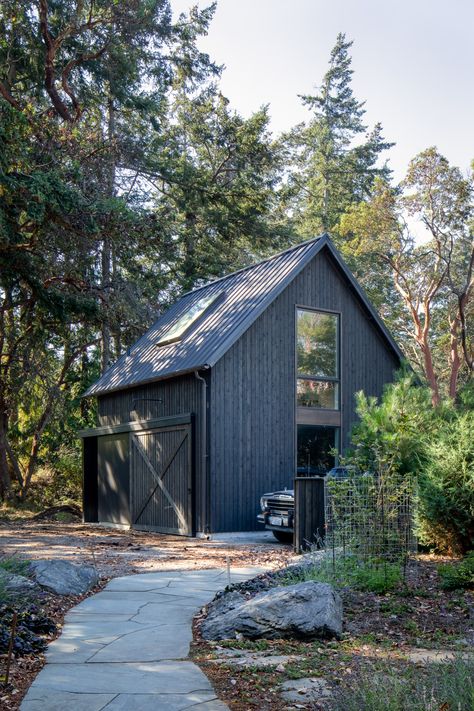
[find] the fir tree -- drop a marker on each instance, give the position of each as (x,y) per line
(333,159)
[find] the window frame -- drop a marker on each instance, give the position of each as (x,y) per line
(170,336)
(337,441)
(316,378)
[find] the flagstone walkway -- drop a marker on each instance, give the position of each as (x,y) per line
(125,648)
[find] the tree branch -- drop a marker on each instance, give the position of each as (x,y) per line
(50,78)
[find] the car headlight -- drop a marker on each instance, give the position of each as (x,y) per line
(263,503)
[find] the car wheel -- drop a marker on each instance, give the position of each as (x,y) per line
(283,536)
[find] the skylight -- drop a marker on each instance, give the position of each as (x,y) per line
(188,318)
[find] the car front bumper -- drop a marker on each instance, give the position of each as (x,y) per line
(276,522)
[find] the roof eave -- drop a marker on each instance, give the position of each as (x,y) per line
(158,378)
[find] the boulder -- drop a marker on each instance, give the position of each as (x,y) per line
(305,611)
(16,584)
(63,577)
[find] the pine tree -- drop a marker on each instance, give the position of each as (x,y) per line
(81,86)
(333,159)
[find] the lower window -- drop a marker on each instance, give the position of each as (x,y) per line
(314,446)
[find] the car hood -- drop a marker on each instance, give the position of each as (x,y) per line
(287,495)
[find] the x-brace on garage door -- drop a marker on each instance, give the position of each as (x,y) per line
(161,479)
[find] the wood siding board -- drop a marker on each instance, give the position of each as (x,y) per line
(90,479)
(181,396)
(309,512)
(241,404)
(260,455)
(113,478)
(135,426)
(162,480)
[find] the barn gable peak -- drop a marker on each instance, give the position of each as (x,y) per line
(225,309)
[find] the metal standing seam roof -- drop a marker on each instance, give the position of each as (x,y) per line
(245,294)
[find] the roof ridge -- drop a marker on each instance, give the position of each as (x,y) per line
(255,264)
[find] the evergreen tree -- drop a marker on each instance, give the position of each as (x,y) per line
(80,85)
(214,175)
(333,160)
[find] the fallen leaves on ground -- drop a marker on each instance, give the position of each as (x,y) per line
(113,553)
(378,628)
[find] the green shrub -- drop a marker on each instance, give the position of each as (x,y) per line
(446,484)
(446,686)
(404,435)
(14,565)
(458,575)
(348,571)
(59,481)
(379,578)
(388,436)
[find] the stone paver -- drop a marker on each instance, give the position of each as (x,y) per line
(306,690)
(125,648)
(433,656)
(254,660)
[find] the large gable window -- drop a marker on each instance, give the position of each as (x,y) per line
(317,353)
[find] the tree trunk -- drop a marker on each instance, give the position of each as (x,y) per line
(325,215)
(5,481)
(454,356)
(430,371)
(48,411)
(463,302)
(117,336)
(106,351)
(6,350)
(420,334)
(35,445)
(189,259)
(105,327)
(84,403)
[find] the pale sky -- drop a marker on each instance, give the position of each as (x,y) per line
(412,59)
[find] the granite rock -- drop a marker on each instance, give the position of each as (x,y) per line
(306,610)
(64,578)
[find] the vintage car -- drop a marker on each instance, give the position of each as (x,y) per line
(278,508)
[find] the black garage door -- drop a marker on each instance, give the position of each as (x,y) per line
(113,479)
(161,480)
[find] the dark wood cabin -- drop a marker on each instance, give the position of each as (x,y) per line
(240,384)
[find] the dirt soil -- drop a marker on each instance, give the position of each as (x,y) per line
(378,630)
(115,553)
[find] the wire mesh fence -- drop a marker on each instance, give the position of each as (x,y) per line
(371,517)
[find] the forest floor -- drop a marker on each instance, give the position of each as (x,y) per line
(114,553)
(391,650)
(381,631)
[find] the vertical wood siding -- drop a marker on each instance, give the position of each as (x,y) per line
(309,512)
(90,483)
(252,411)
(180,395)
(113,479)
(168,507)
